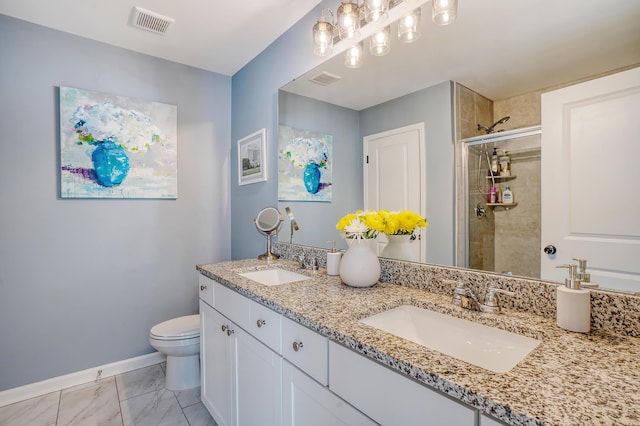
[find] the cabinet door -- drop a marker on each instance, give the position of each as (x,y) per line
(216,365)
(258,382)
(388,397)
(307,403)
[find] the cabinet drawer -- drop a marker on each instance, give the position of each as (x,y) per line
(306,349)
(205,289)
(232,305)
(390,398)
(265,326)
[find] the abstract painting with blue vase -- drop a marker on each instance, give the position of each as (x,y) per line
(304,165)
(116,147)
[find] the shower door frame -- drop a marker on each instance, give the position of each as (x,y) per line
(462,189)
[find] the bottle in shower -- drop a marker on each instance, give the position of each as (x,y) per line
(507,196)
(495,167)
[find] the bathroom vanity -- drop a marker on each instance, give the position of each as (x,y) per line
(298,353)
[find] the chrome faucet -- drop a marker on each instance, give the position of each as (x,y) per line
(464,297)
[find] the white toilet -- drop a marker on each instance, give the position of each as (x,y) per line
(179,339)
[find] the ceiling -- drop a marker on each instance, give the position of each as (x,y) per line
(499,48)
(218,36)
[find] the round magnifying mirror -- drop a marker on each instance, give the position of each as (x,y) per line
(268,222)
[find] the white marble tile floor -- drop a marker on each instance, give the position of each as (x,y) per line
(135,398)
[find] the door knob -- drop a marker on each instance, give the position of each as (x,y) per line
(297,346)
(550,249)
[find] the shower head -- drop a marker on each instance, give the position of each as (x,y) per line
(491,128)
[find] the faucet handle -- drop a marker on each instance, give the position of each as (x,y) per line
(459,290)
(492,300)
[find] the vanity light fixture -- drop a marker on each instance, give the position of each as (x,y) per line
(353,57)
(444,12)
(348,20)
(380,42)
(408,27)
(375,10)
(323,35)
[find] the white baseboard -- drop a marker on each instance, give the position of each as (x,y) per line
(54,384)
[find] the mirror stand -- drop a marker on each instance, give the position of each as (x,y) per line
(268,255)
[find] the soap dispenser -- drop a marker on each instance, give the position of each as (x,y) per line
(573,311)
(333,260)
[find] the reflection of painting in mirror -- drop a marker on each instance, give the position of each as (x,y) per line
(304,165)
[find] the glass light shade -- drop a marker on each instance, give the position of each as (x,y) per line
(408,27)
(348,20)
(380,42)
(376,10)
(322,37)
(444,12)
(353,57)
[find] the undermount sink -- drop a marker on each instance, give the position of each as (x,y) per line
(487,347)
(274,276)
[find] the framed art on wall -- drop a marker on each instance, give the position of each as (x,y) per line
(252,158)
(116,147)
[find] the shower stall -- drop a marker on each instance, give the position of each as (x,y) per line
(501,237)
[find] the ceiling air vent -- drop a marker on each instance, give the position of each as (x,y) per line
(150,21)
(325,78)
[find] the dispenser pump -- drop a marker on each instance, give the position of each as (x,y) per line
(573,310)
(572,280)
(333,260)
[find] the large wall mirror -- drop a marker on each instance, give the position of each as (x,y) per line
(497,52)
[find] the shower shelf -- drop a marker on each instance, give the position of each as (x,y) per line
(506,206)
(501,177)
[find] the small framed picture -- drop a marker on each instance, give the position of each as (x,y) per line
(252,158)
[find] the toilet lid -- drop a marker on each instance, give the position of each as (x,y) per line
(177,328)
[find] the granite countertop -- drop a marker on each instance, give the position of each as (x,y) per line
(569,379)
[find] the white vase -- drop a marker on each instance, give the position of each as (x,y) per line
(399,247)
(360,266)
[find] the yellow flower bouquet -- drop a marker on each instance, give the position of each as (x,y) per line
(368,224)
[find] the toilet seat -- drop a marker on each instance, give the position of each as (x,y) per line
(181,328)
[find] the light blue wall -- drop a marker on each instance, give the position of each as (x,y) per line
(317,221)
(433,106)
(82,281)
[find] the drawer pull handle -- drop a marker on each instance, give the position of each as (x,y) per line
(260,323)
(297,346)
(229,331)
(224,328)
(203,287)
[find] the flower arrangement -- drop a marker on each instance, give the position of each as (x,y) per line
(304,151)
(105,122)
(368,224)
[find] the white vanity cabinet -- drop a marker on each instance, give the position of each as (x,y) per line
(241,377)
(388,397)
(259,367)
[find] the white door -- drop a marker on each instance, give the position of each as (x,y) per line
(395,177)
(591,179)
